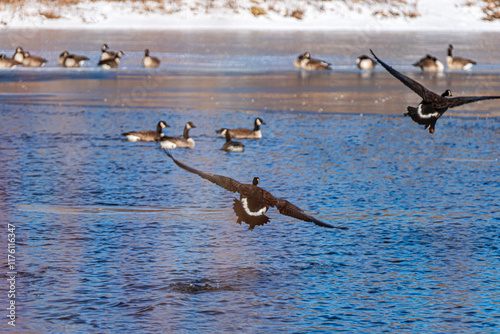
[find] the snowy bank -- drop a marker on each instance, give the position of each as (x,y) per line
(335,15)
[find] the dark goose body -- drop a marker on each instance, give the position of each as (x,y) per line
(254,201)
(147,135)
(243,133)
(185,141)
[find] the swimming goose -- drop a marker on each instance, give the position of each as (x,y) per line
(149,61)
(147,135)
(430,63)
(18,55)
(242,133)
(254,201)
(71,60)
(174,142)
(458,63)
(365,63)
(105,54)
(7,62)
(111,62)
(432,105)
(229,145)
(33,61)
(305,62)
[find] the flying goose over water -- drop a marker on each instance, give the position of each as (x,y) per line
(111,62)
(6,62)
(105,53)
(254,201)
(432,105)
(150,61)
(230,145)
(174,142)
(305,62)
(365,63)
(430,64)
(458,63)
(71,60)
(243,133)
(33,61)
(18,55)
(147,135)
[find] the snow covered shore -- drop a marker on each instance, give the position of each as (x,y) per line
(335,15)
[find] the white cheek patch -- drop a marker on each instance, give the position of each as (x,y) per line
(426,116)
(244,201)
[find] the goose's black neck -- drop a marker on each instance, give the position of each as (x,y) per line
(186,132)
(256,126)
(228,136)
(159,128)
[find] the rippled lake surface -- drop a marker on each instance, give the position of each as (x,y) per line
(112,237)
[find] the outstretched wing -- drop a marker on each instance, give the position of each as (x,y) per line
(288,209)
(458,101)
(222,181)
(418,88)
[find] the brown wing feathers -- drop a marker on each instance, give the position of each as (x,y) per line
(252,191)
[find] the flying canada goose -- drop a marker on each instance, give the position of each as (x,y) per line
(229,145)
(365,63)
(149,61)
(18,55)
(147,135)
(111,62)
(70,60)
(242,133)
(33,61)
(430,63)
(173,142)
(105,54)
(7,62)
(458,63)
(432,105)
(254,201)
(305,62)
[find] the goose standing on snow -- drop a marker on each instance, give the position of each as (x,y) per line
(111,62)
(365,63)
(458,63)
(305,62)
(432,105)
(230,145)
(185,141)
(71,60)
(149,61)
(243,133)
(33,61)
(147,135)
(254,201)
(430,64)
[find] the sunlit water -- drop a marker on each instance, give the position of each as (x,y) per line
(113,237)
